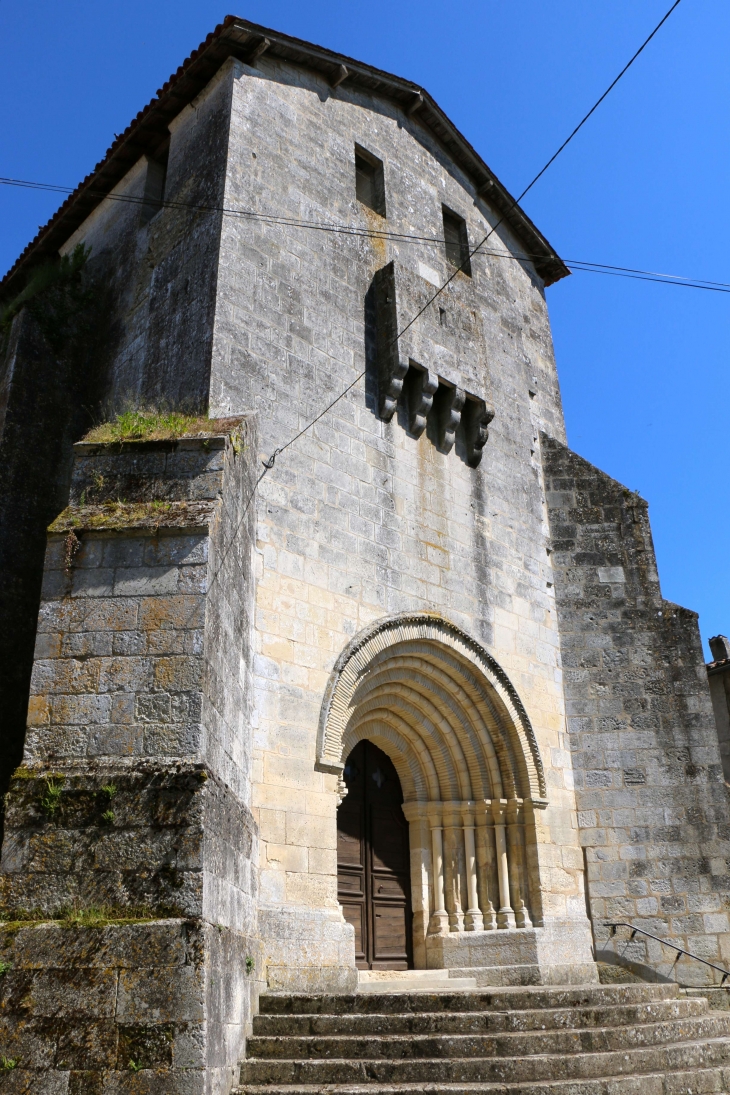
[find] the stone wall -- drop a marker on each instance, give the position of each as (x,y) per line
(652,804)
(141,1007)
(132,799)
(145,338)
(360,518)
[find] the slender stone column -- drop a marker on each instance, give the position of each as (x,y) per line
(439,924)
(452,873)
(473,920)
(486,865)
(518,887)
(505,916)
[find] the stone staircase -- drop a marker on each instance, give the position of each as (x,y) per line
(592,1040)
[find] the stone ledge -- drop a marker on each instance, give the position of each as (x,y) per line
(152,517)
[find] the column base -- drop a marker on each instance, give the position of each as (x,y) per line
(439,923)
(506,918)
(473,921)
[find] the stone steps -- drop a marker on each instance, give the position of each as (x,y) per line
(480,1022)
(393,1046)
(501,999)
(571,1040)
(709,1081)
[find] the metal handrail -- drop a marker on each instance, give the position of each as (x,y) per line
(681,950)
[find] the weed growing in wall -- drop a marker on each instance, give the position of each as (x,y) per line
(50,801)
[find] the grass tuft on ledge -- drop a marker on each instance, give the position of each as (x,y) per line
(95,916)
(158,426)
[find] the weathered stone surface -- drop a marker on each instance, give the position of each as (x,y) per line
(84,1002)
(501,1041)
(652,804)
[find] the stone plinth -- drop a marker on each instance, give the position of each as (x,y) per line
(558,954)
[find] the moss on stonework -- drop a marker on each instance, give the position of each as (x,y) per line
(157,426)
(11,921)
(123,515)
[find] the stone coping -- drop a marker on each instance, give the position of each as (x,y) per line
(150,517)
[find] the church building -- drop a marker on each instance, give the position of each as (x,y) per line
(328,666)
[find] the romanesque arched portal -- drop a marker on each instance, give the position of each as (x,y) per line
(446,714)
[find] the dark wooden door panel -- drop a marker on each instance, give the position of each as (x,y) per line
(389,840)
(389,942)
(373,861)
(388,887)
(349,849)
(351,883)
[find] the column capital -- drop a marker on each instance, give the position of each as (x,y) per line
(434,812)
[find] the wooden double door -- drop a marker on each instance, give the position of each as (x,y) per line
(373,861)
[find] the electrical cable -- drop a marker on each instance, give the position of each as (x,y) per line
(576,265)
(542,170)
(269,463)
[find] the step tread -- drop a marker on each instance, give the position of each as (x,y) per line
(493,1021)
(683,1044)
(513,998)
(668,1057)
(676,1030)
(600,1085)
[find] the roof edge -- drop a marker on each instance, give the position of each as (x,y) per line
(239,38)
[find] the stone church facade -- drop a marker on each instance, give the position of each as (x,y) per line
(417,702)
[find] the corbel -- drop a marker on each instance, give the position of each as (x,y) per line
(341,73)
(450,402)
(420,391)
(476,417)
(258,51)
(484,188)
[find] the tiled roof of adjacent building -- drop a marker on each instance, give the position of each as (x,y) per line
(238,38)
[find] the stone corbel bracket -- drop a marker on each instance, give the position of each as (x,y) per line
(419,397)
(476,417)
(421,390)
(449,405)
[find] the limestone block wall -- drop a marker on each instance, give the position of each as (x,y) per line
(161,270)
(360,519)
(145,339)
(132,802)
(652,804)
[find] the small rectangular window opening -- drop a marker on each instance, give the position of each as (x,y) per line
(369,180)
(456,240)
(154,186)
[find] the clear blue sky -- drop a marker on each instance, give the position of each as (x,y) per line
(643,367)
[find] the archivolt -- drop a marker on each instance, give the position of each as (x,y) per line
(439,705)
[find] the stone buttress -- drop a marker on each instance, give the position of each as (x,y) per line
(129,879)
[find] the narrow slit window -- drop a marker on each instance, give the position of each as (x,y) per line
(154,186)
(456,241)
(369,180)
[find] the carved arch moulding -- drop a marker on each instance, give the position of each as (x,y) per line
(470,688)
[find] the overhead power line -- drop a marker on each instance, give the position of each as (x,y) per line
(543,169)
(575,265)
